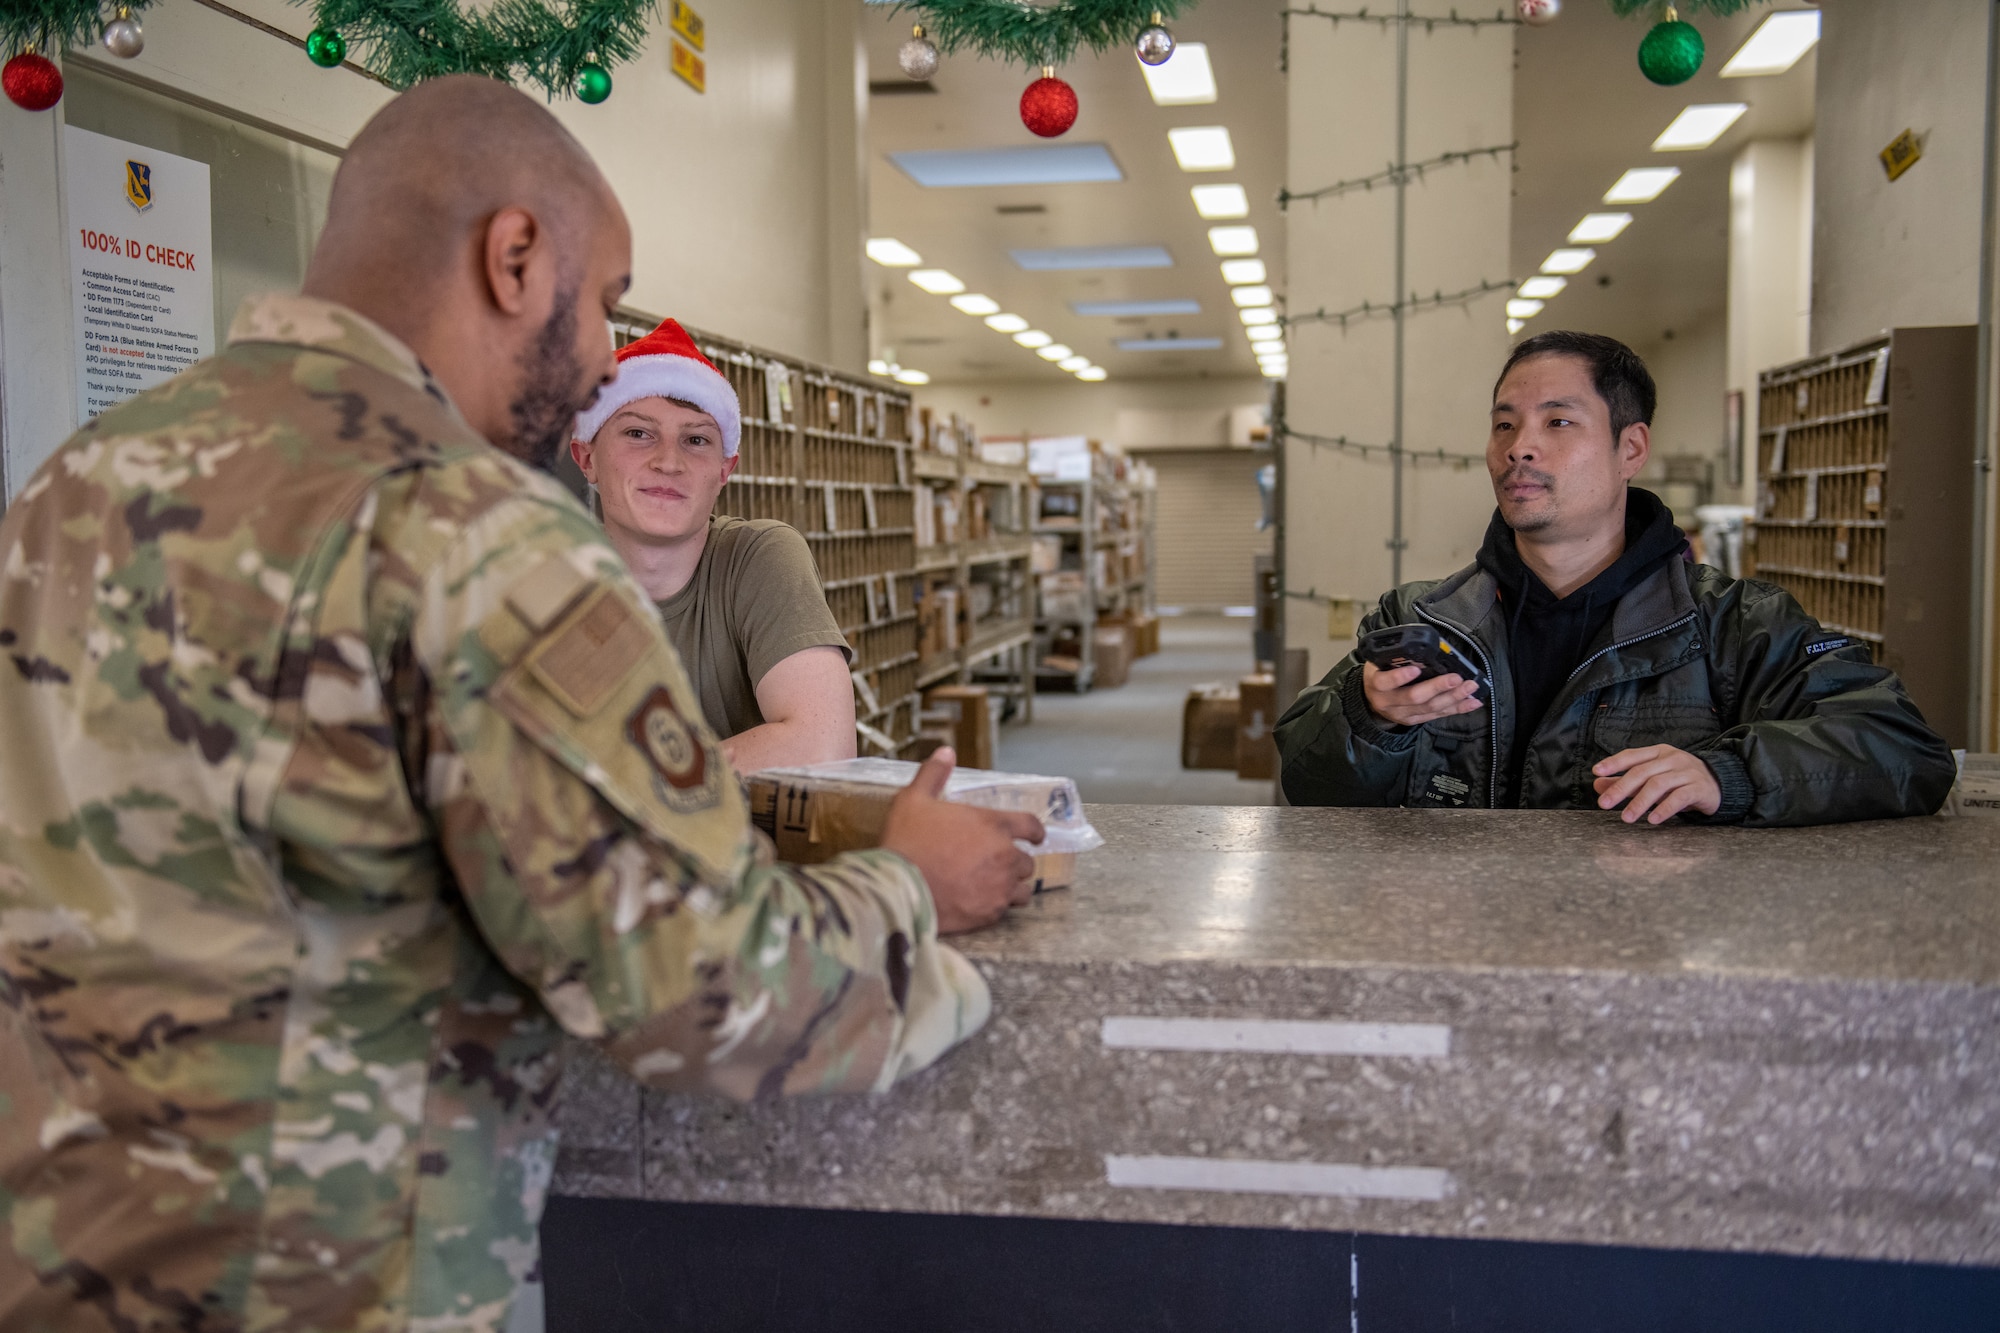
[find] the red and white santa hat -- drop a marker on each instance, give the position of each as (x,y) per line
(666,364)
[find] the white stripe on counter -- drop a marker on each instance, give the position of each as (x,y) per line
(1415,1184)
(1278,1037)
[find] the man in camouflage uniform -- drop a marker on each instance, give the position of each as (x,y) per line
(345,769)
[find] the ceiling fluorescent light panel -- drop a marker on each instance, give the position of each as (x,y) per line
(1261,315)
(1006,323)
(892,253)
(1642,185)
(1221,201)
(1228,241)
(1238,271)
(1250,296)
(912,377)
(1599,227)
(1699,126)
(1541,289)
(1568,261)
(1092,376)
(1779,43)
(1033,338)
(1055,352)
(1202,148)
(1186,79)
(936,281)
(1073,364)
(1518,309)
(974,304)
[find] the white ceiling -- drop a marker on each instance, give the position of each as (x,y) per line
(1582,112)
(976,106)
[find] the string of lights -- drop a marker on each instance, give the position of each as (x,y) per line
(1394,175)
(1385,309)
(1429,23)
(1340,443)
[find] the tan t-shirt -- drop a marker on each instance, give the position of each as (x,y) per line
(754,600)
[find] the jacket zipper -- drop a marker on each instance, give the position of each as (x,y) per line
(1492,718)
(1627,643)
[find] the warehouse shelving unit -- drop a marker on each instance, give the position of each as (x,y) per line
(1864,506)
(993,638)
(1105,527)
(829,453)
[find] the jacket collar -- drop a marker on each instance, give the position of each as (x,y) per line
(1659,602)
(322,326)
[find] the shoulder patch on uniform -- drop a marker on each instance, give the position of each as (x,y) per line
(684,779)
(590,653)
(548,590)
(1827,645)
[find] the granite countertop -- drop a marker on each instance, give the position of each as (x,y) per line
(1532,1025)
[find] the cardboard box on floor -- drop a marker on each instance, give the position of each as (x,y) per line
(1208,728)
(815,814)
(1256,713)
(975,725)
(1112,645)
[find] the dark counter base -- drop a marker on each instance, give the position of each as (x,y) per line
(616,1265)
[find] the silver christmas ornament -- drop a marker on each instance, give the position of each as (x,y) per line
(917,57)
(1537,12)
(1155,45)
(123,37)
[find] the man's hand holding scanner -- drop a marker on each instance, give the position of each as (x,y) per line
(1404,698)
(1656,778)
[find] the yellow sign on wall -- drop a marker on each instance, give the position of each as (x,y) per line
(690,68)
(1902,154)
(689,25)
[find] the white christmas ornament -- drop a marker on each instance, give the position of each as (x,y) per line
(1538,12)
(123,37)
(918,58)
(1155,45)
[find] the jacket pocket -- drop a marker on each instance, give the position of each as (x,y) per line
(1626,724)
(1444,772)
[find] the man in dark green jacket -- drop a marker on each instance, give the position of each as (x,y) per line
(1618,672)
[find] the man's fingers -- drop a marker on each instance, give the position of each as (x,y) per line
(1677,801)
(1656,789)
(934,772)
(1616,791)
(1624,759)
(1019,825)
(1022,867)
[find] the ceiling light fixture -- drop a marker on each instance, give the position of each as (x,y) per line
(1276,372)
(1254,318)
(1236,271)
(1541,289)
(1136,309)
(1778,44)
(1186,79)
(1699,126)
(1055,352)
(974,304)
(1250,296)
(912,377)
(1265,346)
(1599,227)
(1221,201)
(1006,323)
(1202,148)
(1642,185)
(936,281)
(878,367)
(1092,376)
(1073,364)
(1233,240)
(1568,261)
(1519,309)
(892,253)
(1514,326)
(1033,338)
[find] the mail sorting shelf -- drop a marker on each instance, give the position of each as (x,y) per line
(977,625)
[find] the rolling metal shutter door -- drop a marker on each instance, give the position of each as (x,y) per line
(1205,531)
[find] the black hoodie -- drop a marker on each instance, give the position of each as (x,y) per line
(1548,637)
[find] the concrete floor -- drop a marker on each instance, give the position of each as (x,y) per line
(1123,746)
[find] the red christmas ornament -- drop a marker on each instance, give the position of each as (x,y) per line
(1049,106)
(32,82)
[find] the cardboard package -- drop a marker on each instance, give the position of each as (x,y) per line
(1046,556)
(1256,713)
(1112,646)
(1208,728)
(974,721)
(817,812)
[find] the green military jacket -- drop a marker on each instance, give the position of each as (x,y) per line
(344,769)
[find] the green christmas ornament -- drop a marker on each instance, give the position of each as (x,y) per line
(1672,52)
(325,47)
(593,82)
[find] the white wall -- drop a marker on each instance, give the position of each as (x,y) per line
(747,202)
(1190,413)
(1771,212)
(1904,252)
(1342,111)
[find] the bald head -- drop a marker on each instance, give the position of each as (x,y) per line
(469,223)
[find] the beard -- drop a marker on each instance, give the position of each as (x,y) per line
(1533,521)
(553,389)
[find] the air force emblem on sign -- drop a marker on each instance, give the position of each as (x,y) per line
(684,777)
(139,185)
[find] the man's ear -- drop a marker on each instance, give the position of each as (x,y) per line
(584,452)
(515,244)
(1635,446)
(729,467)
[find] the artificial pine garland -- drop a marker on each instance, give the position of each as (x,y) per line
(1034,36)
(1720,8)
(55,25)
(408,41)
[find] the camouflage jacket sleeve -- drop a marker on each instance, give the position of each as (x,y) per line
(603,843)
